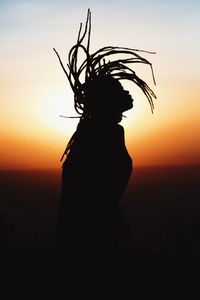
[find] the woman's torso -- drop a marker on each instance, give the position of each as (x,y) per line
(95,175)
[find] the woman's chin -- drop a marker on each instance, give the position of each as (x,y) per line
(128,107)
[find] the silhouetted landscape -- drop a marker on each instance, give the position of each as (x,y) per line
(162,205)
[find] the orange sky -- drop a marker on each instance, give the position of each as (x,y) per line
(34,90)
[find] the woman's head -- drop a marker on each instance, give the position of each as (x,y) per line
(105,95)
(96,81)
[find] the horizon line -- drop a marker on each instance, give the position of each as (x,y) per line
(134,166)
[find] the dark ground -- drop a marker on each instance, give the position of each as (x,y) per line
(161,260)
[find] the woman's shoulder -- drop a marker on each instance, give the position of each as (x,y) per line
(91,131)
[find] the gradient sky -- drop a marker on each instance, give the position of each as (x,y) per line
(34,90)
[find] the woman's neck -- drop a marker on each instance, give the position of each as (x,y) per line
(107,119)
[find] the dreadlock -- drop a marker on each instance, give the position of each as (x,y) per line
(101,64)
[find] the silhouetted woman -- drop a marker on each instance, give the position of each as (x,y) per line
(97,166)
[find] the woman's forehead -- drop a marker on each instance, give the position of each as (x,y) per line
(110,82)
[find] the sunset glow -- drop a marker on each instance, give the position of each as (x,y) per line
(35,92)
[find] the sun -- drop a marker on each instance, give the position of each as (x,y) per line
(53,108)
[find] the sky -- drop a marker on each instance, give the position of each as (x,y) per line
(34,91)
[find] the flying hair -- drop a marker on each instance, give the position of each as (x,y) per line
(102,64)
(97,66)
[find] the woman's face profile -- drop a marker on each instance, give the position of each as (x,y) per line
(108,95)
(123,99)
(120,99)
